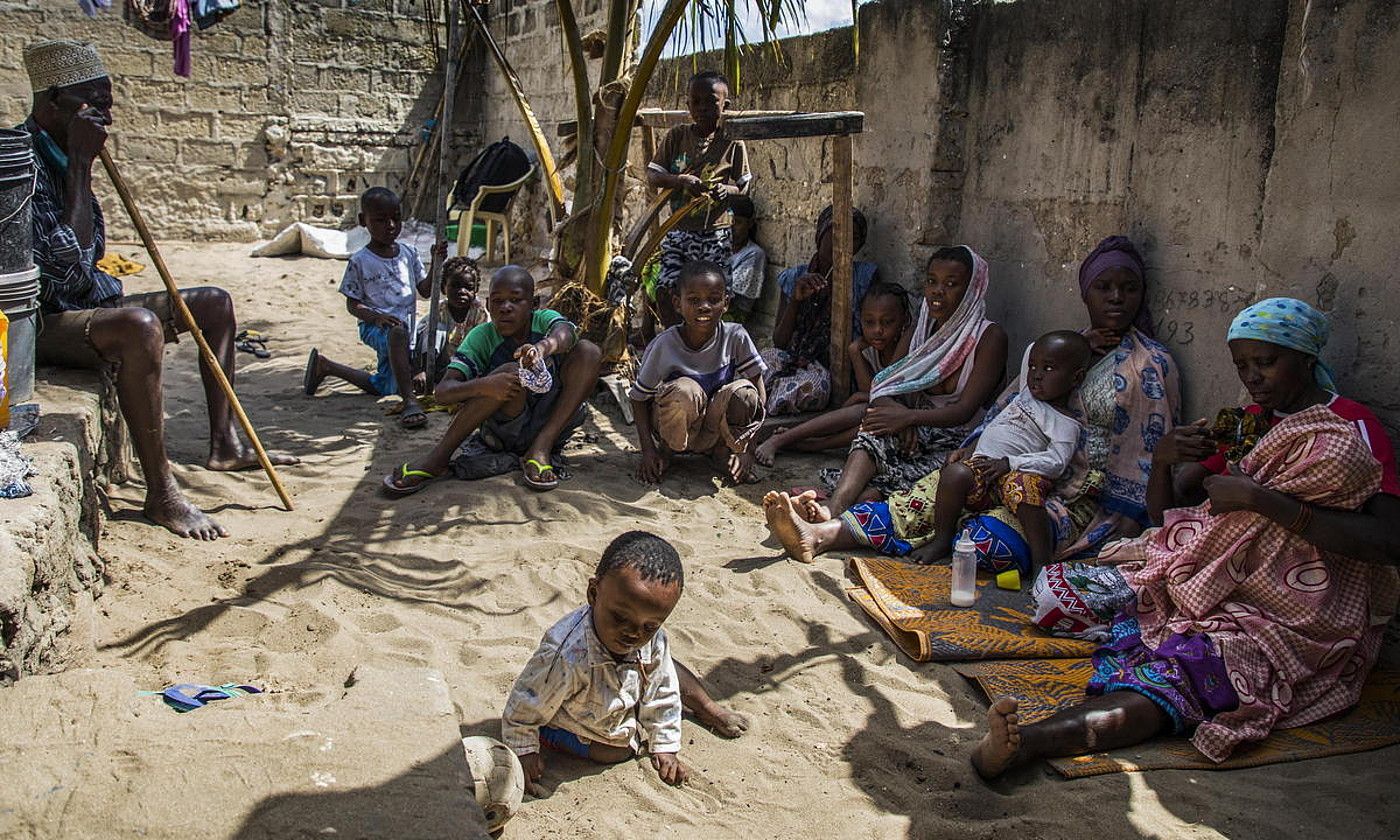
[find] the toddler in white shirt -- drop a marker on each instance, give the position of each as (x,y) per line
(1020,452)
(602,682)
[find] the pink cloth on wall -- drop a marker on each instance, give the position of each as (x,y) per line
(180,37)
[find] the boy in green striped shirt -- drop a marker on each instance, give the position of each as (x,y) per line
(486,376)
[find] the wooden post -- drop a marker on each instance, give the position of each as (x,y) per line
(843,242)
(449,93)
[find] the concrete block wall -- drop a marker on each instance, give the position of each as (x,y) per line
(295,107)
(1241,144)
(528,33)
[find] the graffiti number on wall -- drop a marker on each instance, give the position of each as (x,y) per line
(1171,331)
(1228,300)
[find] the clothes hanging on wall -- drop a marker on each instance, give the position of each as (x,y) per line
(174,21)
(90,7)
(209,12)
(180,37)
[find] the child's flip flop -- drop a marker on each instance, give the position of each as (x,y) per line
(541,470)
(413,419)
(187,697)
(308,380)
(394,486)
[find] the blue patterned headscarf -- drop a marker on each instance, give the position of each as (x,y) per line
(1288,323)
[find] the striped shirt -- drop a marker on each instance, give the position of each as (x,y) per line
(68,275)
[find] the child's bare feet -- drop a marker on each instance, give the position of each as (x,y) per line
(765,453)
(741,469)
(809,507)
(790,528)
(722,721)
(1000,748)
(937,552)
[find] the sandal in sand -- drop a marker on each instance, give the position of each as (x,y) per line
(394,486)
(308,379)
(415,419)
(538,483)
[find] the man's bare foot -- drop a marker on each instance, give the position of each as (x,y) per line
(242,457)
(1000,748)
(810,507)
(721,721)
(790,529)
(183,519)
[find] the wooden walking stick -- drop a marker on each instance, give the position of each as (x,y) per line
(179,303)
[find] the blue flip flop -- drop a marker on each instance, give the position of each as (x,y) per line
(187,697)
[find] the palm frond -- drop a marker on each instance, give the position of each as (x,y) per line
(708,24)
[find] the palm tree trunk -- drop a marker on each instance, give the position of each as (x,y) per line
(599,243)
(583,99)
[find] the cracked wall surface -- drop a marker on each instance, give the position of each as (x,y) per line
(1245,145)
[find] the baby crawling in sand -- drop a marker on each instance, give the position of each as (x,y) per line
(602,683)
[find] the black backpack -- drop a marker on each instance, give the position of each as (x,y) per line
(501,162)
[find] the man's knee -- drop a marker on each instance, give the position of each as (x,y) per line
(211,302)
(129,333)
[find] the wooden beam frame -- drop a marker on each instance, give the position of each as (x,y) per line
(843,265)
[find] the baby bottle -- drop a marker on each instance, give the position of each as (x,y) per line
(964,572)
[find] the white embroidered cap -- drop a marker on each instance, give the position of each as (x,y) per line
(61,63)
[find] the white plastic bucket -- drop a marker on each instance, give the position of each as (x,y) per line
(19,299)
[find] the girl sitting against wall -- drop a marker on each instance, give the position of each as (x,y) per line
(799,363)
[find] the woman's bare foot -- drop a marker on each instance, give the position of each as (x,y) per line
(1000,748)
(721,721)
(238,456)
(809,506)
(175,513)
(791,529)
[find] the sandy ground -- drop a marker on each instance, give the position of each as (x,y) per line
(849,738)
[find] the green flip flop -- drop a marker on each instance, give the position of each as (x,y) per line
(541,470)
(394,486)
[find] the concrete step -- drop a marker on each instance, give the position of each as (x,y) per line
(49,567)
(376,755)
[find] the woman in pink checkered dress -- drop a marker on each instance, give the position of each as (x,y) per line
(1262,606)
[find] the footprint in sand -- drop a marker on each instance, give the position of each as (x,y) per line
(378,623)
(238,622)
(413,648)
(302,628)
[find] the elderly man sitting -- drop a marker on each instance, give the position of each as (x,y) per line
(87,321)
